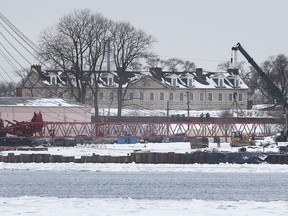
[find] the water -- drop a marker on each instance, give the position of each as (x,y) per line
(145,185)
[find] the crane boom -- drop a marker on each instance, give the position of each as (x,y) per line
(272,88)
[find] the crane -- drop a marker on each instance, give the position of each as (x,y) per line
(272,88)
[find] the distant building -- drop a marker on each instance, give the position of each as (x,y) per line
(154,89)
(53,110)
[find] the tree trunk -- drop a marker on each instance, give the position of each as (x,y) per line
(119,100)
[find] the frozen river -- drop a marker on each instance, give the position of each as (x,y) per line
(207,186)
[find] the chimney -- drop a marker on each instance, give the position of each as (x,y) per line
(37,68)
(156,72)
(199,73)
(18,92)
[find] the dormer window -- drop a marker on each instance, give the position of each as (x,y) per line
(110,81)
(174,82)
(190,82)
(221,82)
(237,82)
(53,80)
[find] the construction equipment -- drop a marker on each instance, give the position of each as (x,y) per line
(238,139)
(272,88)
(20,133)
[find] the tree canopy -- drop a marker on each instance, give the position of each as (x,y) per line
(78,44)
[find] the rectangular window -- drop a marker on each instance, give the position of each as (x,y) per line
(111,96)
(171,96)
(237,83)
(151,96)
(221,83)
(131,96)
(174,82)
(53,80)
(141,96)
(210,96)
(230,97)
(181,96)
(240,97)
(161,96)
(101,95)
(220,97)
(110,81)
(190,82)
(191,96)
(201,96)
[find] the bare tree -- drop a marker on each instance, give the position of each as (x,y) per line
(128,45)
(7,89)
(77,46)
(173,64)
(276,68)
(189,66)
(135,66)
(153,61)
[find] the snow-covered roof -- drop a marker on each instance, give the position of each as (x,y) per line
(29,101)
(205,80)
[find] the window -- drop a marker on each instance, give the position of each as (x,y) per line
(220,82)
(131,96)
(161,96)
(210,96)
(237,83)
(240,97)
(101,95)
(174,82)
(181,96)
(50,95)
(110,81)
(171,96)
(141,96)
(111,96)
(220,97)
(191,96)
(151,96)
(53,81)
(201,96)
(230,97)
(190,82)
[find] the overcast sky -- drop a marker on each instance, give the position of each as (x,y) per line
(202,31)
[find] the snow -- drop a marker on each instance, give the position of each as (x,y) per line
(125,149)
(192,113)
(49,102)
(126,207)
(31,205)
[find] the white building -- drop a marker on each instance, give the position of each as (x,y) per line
(53,110)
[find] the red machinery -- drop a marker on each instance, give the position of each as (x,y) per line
(20,133)
(23,133)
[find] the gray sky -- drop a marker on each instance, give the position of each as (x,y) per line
(201,31)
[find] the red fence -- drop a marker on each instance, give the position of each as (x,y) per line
(150,129)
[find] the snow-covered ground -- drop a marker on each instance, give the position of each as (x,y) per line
(128,207)
(124,149)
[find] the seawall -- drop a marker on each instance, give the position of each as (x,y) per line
(153,158)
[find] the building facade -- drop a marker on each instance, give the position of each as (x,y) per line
(151,90)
